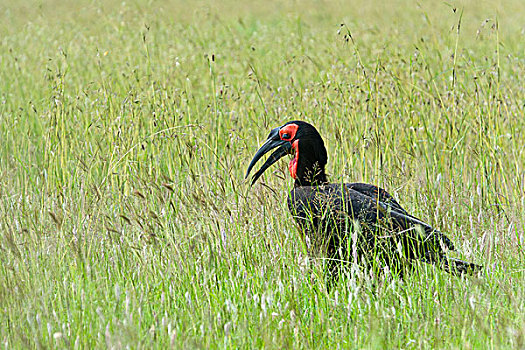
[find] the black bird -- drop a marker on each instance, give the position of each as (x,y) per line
(351,221)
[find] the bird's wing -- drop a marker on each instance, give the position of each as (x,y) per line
(367,203)
(400,217)
(377,194)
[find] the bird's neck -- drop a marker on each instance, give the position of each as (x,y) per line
(311,175)
(308,166)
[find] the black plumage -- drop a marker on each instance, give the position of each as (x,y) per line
(352,221)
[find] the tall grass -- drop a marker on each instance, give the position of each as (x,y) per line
(126,128)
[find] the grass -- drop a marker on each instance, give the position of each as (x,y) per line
(126,129)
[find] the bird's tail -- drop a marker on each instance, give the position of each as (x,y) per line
(458,267)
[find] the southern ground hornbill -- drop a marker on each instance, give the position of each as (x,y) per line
(351,222)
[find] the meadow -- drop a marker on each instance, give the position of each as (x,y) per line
(126,129)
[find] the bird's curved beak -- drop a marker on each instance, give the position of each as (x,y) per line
(273,141)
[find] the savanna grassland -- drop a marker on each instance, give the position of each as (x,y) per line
(126,129)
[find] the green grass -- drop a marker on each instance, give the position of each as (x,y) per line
(126,129)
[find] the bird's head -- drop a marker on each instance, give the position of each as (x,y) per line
(301,140)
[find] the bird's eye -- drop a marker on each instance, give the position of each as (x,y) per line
(285,136)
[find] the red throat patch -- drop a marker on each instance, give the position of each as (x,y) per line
(292,166)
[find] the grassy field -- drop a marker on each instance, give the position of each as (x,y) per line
(126,129)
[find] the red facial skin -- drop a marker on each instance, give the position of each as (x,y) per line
(287,133)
